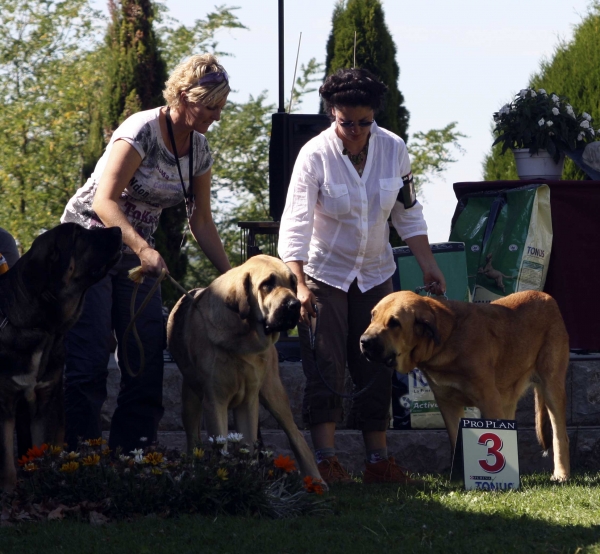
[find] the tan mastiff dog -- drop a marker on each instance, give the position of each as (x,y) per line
(483,355)
(224,344)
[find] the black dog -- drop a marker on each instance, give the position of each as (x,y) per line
(41,297)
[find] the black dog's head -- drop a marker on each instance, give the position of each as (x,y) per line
(63,263)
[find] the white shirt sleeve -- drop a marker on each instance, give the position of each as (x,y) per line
(296,227)
(408,222)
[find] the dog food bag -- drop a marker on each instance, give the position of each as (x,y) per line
(508,239)
(424,411)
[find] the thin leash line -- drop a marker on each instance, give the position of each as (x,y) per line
(131,328)
(313,337)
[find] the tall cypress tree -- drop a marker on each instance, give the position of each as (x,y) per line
(375,51)
(136,71)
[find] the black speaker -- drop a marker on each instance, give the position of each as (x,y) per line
(289,133)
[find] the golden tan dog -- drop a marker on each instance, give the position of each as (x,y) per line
(224,344)
(483,355)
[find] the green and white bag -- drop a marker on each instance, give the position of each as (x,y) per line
(508,240)
(424,411)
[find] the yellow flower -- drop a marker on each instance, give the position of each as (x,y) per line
(30,467)
(96,442)
(55,449)
(198,453)
(106,451)
(92,460)
(156,471)
(72,455)
(154,458)
(69,467)
(222,474)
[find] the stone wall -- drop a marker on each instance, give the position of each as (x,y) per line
(421,450)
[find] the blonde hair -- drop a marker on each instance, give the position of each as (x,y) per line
(185,78)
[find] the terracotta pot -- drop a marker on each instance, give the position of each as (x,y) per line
(540,165)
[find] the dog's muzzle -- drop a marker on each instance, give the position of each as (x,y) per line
(372,349)
(285,317)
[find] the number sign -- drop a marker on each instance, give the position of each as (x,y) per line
(490,455)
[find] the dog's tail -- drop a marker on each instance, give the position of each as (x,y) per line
(543,429)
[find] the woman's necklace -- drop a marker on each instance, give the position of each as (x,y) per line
(358,160)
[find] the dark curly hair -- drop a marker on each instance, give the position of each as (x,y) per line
(352,87)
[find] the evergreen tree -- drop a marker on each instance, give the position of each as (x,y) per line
(574,72)
(375,51)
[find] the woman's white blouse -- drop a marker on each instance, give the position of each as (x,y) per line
(336,221)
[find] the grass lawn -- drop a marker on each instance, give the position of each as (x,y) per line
(434,517)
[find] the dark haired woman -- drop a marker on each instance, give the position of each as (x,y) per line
(334,236)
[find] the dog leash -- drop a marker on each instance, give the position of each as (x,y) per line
(313,337)
(426,288)
(136,276)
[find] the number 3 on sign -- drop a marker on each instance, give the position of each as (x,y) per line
(494,444)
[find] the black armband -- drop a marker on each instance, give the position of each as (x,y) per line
(407,194)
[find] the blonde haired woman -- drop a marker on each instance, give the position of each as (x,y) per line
(155,159)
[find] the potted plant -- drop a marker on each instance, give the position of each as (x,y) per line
(540,127)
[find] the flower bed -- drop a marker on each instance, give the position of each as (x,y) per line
(95,483)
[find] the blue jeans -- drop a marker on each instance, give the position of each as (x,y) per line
(88,344)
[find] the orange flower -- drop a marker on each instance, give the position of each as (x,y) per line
(313,486)
(36,452)
(24,460)
(96,442)
(284,462)
(154,458)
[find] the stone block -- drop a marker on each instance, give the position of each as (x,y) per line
(428,451)
(172,380)
(584,393)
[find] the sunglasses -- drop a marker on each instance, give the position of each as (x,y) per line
(348,124)
(215,77)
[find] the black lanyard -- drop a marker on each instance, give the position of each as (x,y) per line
(189,196)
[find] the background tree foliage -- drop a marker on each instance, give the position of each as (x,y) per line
(573,71)
(375,51)
(56,127)
(45,111)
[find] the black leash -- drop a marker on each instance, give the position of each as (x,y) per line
(313,336)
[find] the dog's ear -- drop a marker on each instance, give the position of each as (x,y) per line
(48,258)
(238,299)
(425,328)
